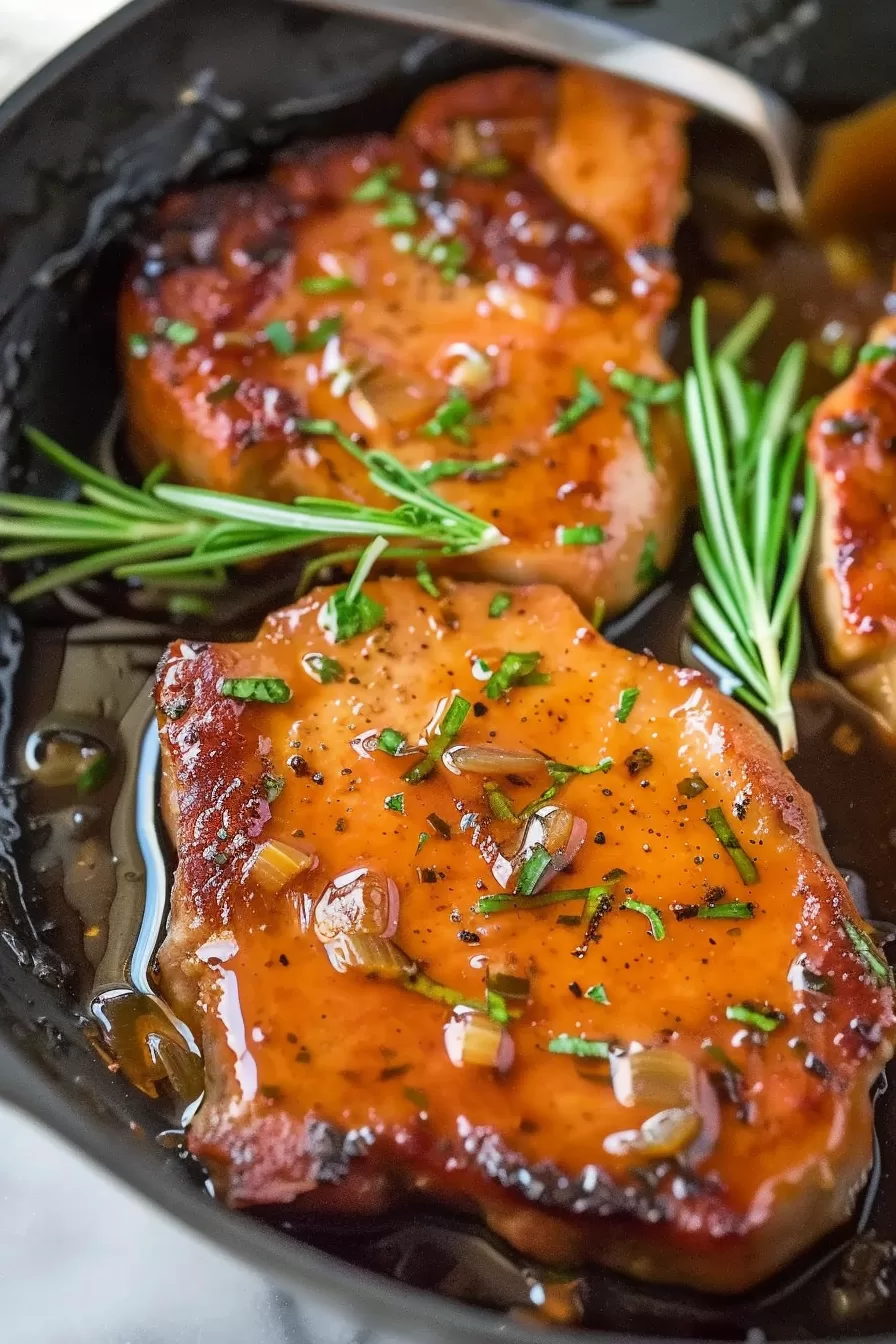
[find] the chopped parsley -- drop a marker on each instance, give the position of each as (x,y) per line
(515,669)
(451,418)
(627,702)
(580,1046)
(451,724)
(762,1017)
(326,284)
(657,928)
(586,400)
(716,818)
(584,534)
(264,690)
(320,667)
(499,604)
(390,741)
(395,802)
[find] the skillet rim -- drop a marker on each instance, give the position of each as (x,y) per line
(29,1088)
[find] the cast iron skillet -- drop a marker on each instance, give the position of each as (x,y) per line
(163,92)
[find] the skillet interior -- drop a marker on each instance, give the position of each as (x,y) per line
(121,132)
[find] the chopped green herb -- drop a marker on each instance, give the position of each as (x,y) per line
(451,418)
(316,338)
(586,400)
(626,703)
(350,611)
(716,818)
(281,337)
(426,580)
(499,804)
(718,1054)
(227,388)
(505,900)
(641,388)
(450,726)
(391,741)
(322,668)
(138,345)
(449,255)
(584,534)
(399,212)
(870,354)
(532,871)
(421,841)
(495,166)
(95,773)
(499,604)
(448,467)
(638,412)
(763,1018)
(378,185)
(273,786)
(439,825)
(726,910)
(420,983)
(264,690)
(180,333)
(597,994)
(509,986)
(580,1046)
(868,951)
(691,786)
(395,802)
(657,928)
(515,669)
(598,612)
(648,571)
(326,284)
(841,358)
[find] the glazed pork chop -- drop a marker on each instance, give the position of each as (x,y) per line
(476,904)
(852,444)
(459,294)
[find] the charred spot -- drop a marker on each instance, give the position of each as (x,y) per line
(638,760)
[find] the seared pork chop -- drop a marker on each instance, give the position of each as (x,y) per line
(459,294)
(852,444)
(477,904)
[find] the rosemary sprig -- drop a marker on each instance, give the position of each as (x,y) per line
(172,532)
(748,445)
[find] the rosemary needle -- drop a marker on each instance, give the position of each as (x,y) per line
(172,532)
(748,444)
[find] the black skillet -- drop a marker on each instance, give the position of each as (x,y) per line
(167,91)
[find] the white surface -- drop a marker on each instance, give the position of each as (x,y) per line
(31,31)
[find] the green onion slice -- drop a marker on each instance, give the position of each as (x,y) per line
(657,928)
(749,873)
(264,690)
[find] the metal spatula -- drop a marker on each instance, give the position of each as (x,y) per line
(557,34)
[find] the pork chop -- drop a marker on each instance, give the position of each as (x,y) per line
(611,992)
(459,294)
(852,445)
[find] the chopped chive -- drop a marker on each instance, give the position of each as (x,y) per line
(421,983)
(451,418)
(326,284)
(378,184)
(499,804)
(648,571)
(227,388)
(350,611)
(421,841)
(514,670)
(626,703)
(749,873)
(322,668)
(390,741)
(726,910)
(586,400)
(657,928)
(180,333)
(509,986)
(868,951)
(638,412)
(264,690)
(138,345)
(448,467)
(718,1054)
(615,874)
(580,1046)
(394,802)
(763,1018)
(451,724)
(499,604)
(95,774)
(399,211)
(439,825)
(506,900)
(641,388)
(316,338)
(532,871)
(597,994)
(281,338)
(426,580)
(870,354)
(584,534)
(691,786)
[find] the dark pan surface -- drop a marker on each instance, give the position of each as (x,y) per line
(82,149)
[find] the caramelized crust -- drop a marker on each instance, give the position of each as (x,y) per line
(337,1087)
(564,232)
(852,444)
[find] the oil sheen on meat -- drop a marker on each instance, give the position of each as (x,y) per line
(765,1002)
(511,237)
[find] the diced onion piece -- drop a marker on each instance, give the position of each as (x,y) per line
(484,759)
(660,1078)
(664,1134)
(368,953)
(362,900)
(473,1038)
(276,863)
(473,372)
